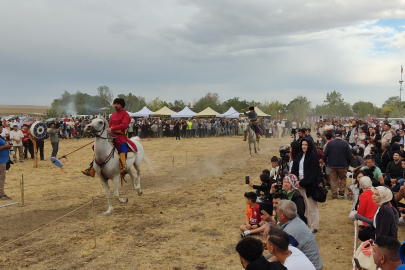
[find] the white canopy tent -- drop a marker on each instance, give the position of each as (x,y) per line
(185,113)
(231,113)
(145,112)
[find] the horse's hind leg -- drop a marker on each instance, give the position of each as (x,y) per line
(132,175)
(107,192)
(116,182)
(138,174)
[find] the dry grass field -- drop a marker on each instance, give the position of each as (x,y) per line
(22,109)
(187,218)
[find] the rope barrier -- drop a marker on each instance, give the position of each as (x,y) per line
(47,224)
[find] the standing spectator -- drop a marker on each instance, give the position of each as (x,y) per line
(4,158)
(337,155)
(209,124)
(16,137)
(53,134)
(131,129)
(26,143)
(19,123)
(306,168)
(4,133)
(155,128)
(193,128)
(279,129)
(177,127)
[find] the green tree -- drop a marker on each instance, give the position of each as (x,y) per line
(272,108)
(298,108)
(334,105)
(209,100)
(235,103)
(156,104)
(362,108)
(105,93)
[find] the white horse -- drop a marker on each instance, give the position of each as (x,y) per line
(106,161)
(251,137)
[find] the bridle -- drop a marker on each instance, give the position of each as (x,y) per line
(101,132)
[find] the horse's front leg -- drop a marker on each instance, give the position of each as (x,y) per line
(116,181)
(107,192)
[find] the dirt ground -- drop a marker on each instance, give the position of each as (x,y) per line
(187,218)
(22,109)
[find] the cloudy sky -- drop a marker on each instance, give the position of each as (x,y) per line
(182,49)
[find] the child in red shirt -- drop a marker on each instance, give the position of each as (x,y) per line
(253,223)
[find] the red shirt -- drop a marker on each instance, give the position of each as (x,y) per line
(253,214)
(119,121)
(25,138)
(367,207)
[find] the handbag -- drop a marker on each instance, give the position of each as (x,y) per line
(363,257)
(320,193)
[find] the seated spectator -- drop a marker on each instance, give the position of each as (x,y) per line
(253,223)
(356,162)
(293,194)
(386,253)
(263,191)
(385,221)
(377,157)
(370,162)
(274,168)
(353,194)
(297,230)
(277,197)
(393,173)
(386,156)
(250,252)
(278,244)
(367,206)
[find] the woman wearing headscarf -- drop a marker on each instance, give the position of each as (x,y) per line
(385,221)
(306,168)
(353,194)
(293,194)
(367,207)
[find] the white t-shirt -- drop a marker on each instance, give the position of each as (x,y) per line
(326,127)
(4,133)
(297,260)
(301,166)
(294,125)
(16,135)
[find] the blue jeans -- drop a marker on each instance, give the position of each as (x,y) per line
(400,183)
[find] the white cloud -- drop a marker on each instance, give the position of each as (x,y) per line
(257,49)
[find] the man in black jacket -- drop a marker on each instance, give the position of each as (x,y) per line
(386,156)
(251,255)
(337,155)
(393,171)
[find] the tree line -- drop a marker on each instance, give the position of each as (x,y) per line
(334,105)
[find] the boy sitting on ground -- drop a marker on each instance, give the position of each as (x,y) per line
(253,219)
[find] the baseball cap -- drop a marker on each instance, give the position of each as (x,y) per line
(338,132)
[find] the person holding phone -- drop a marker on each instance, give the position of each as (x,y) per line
(262,191)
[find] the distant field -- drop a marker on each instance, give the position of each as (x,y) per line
(22,109)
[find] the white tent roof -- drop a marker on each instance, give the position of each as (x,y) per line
(260,113)
(207,112)
(142,113)
(163,112)
(186,112)
(231,113)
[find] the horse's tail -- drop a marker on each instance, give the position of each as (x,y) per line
(148,164)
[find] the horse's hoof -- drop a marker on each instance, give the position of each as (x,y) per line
(140,192)
(107,213)
(123,200)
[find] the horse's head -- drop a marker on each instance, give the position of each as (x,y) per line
(97,126)
(245,126)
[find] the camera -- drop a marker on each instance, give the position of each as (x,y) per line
(284,152)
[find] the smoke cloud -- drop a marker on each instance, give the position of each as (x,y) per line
(69,109)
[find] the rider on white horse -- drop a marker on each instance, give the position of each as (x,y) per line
(119,123)
(252,115)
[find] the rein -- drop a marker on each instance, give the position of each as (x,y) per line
(101,132)
(105,161)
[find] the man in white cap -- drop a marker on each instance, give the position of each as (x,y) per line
(16,137)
